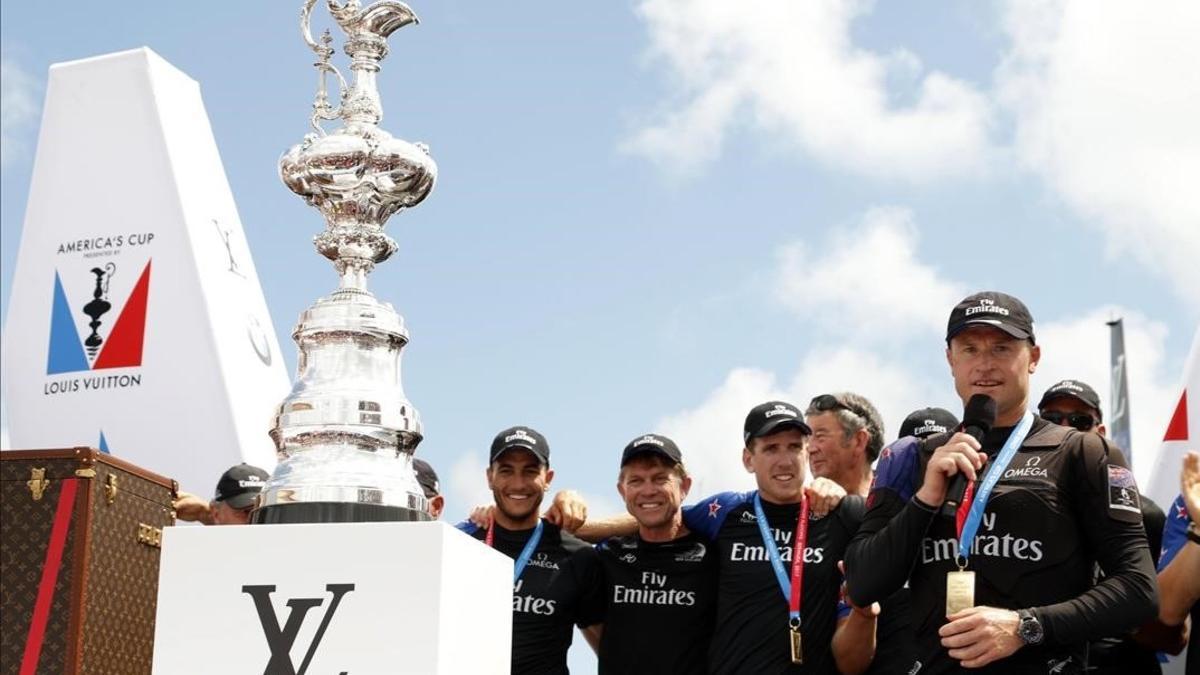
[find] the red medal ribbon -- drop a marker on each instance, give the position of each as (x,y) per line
(799,545)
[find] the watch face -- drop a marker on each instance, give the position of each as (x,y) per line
(1030,630)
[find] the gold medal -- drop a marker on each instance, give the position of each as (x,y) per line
(960,591)
(797,648)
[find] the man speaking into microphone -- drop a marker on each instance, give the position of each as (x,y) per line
(1002,580)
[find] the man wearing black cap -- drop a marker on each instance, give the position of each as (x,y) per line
(778,603)
(659,584)
(556,577)
(1017,596)
(926,422)
(1076,404)
(427,478)
(234,499)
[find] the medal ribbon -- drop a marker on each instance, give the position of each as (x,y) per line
(526,553)
(978,499)
(792,590)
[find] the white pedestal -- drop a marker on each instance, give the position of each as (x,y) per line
(425,599)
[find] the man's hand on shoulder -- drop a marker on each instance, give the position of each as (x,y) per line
(980,635)
(824,496)
(568,510)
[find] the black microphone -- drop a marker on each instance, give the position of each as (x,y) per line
(978,418)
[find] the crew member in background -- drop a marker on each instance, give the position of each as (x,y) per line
(427,478)
(1018,595)
(233,501)
(1076,404)
(556,577)
(659,584)
(1179,565)
(847,437)
(926,422)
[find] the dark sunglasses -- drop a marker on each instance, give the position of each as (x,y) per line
(1081,421)
(829,402)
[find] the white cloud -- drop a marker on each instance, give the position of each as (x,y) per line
(18,108)
(1106,101)
(866,281)
(1102,98)
(791,68)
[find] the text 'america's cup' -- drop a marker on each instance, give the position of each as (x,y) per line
(346,433)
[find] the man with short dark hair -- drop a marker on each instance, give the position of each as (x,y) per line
(660,584)
(778,604)
(1005,581)
(556,577)
(1076,404)
(926,422)
(232,502)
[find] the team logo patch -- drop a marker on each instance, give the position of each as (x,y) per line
(693,554)
(1122,490)
(713,507)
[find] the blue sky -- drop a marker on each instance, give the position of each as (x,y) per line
(652,215)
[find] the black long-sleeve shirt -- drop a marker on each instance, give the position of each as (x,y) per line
(1065,501)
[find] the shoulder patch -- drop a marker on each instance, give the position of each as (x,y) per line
(1122,490)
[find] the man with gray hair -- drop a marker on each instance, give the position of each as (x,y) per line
(847,437)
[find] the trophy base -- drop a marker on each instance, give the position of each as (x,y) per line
(335,512)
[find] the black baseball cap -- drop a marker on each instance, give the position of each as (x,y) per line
(990,308)
(240,485)
(652,444)
(927,422)
(1080,391)
(520,437)
(427,478)
(767,418)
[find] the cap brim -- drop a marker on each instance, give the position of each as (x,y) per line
(780,424)
(518,446)
(1051,396)
(648,450)
(242,501)
(991,323)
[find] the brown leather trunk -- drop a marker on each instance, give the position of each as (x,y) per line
(79,576)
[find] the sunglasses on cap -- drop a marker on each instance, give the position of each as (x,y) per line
(1081,421)
(829,402)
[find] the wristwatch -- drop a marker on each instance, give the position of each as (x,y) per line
(1193,532)
(1030,629)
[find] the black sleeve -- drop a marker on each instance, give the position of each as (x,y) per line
(590,579)
(1155,521)
(883,551)
(1128,594)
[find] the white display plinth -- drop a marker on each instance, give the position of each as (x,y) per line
(426,599)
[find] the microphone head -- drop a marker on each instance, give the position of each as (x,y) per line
(980,412)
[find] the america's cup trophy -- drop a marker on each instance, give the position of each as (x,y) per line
(346,433)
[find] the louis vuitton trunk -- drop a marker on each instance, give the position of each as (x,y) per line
(80,540)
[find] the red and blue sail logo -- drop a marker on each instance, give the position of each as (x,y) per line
(118,346)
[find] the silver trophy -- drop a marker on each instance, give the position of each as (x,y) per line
(346,434)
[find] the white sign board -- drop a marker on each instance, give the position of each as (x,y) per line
(354,598)
(136,315)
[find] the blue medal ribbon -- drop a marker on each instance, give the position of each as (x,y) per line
(527,552)
(979,503)
(798,543)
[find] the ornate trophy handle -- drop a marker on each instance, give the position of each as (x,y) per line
(322,109)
